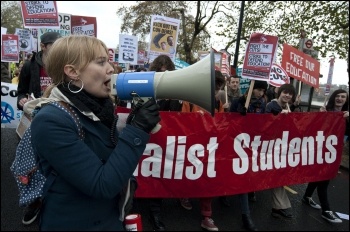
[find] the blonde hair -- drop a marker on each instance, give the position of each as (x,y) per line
(77,50)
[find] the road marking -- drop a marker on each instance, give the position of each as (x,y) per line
(290,190)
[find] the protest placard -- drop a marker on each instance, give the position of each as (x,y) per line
(128,49)
(9,48)
(164,34)
(259,56)
(300,66)
(39,14)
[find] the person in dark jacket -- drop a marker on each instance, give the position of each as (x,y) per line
(338,102)
(280,104)
(5,75)
(31,83)
(33,79)
(91,174)
(257,105)
(257,102)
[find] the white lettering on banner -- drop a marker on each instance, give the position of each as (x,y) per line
(274,154)
(151,166)
(310,66)
(300,73)
(309,78)
(266,155)
(212,147)
(296,58)
(293,70)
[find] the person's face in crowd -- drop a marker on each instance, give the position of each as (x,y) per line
(170,41)
(258,93)
(285,97)
(234,83)
(45,47)
(340,99)
(163,44)
(97,75)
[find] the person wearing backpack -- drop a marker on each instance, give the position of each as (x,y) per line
(32,80)
(91,175)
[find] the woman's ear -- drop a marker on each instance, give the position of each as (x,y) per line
(70,71)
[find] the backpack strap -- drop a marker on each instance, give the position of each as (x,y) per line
(69,109)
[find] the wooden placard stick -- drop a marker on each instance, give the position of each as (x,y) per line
(252,82)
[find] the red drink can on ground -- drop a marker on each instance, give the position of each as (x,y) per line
(133,222)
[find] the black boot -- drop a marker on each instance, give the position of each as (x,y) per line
(248,223)
(156,222)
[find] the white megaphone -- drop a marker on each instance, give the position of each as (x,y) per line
(195,84)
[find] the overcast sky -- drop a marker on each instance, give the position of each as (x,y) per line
(108,25)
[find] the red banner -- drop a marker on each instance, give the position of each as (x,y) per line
(196,155)
(300,66)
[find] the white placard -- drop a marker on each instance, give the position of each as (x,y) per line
(128,49)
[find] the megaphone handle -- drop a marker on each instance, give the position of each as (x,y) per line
(145,99)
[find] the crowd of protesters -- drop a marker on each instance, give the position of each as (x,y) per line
(80,80)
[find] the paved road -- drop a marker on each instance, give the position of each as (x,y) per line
(179,219)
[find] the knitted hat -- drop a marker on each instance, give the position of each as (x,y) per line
(260,85)
(49,37)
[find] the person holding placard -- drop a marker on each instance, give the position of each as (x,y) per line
(281,206)
(257,104)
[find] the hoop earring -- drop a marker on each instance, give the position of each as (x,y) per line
(77,91)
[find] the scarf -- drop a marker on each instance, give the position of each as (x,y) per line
(102,107)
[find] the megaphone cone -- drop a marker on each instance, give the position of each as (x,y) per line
(195,84)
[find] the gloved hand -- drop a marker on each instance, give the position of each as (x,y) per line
(243,111)
(275,112)
(144,116)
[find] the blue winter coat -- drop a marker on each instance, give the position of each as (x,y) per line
(90,173)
